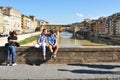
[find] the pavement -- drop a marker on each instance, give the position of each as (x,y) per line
(88,71)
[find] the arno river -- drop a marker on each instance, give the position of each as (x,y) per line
(65,39)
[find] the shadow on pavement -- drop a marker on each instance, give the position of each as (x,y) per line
(91,71)
(101,66)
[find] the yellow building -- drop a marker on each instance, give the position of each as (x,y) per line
(28,23)
(25,23)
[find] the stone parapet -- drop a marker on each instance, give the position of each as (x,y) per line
(66,55)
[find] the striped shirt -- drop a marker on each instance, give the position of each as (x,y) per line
(42,38)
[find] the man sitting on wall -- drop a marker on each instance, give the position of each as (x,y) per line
(53,46)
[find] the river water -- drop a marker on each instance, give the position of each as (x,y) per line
(65,39)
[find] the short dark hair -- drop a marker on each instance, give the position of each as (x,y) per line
(51,31)
(10,33)
(44,30)
(14,32)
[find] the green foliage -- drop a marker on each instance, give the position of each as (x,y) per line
(28,40)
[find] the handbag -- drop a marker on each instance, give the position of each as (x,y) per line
(37,45)
(17,44)
(6,45)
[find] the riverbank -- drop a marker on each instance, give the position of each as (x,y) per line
(84,43)
(29,40)
(3,40)
(30,43)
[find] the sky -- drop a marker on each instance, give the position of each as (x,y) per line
(64,11)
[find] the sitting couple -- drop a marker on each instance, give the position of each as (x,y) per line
(52,41)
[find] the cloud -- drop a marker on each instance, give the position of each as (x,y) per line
(80,15)
(95,17)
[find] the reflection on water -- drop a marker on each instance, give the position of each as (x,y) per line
(65,39)
(68,42)
(66,35)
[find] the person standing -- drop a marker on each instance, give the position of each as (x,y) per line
(53,46)
(42,42)
(11,48)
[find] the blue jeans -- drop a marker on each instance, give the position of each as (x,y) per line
(11,49)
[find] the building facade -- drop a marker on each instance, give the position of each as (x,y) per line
(101,25)
(11,19)
(113,24)
(43,23)
(25,24)
(15,20)
(1,22)
(33,23)
(6,20)
(6,25)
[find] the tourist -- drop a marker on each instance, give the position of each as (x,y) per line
(53,46)
(11,48)
(42,42)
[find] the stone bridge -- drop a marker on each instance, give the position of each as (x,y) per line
(57,27)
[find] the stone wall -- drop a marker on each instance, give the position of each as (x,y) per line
(66,55)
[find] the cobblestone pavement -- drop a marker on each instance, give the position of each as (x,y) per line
(96,71)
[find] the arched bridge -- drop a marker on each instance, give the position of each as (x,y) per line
(57,27)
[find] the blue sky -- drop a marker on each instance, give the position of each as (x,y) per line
(64,11)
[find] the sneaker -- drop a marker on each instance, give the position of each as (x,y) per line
(14,64)
(44,57)
(53,56)
(7,64)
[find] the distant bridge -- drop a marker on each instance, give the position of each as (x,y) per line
(57,27)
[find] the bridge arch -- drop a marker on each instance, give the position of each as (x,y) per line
(57,27)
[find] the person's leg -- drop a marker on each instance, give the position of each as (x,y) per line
(56,49)
(44,50)
(13,50)
(8,56)
(51,49)
(54,52)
